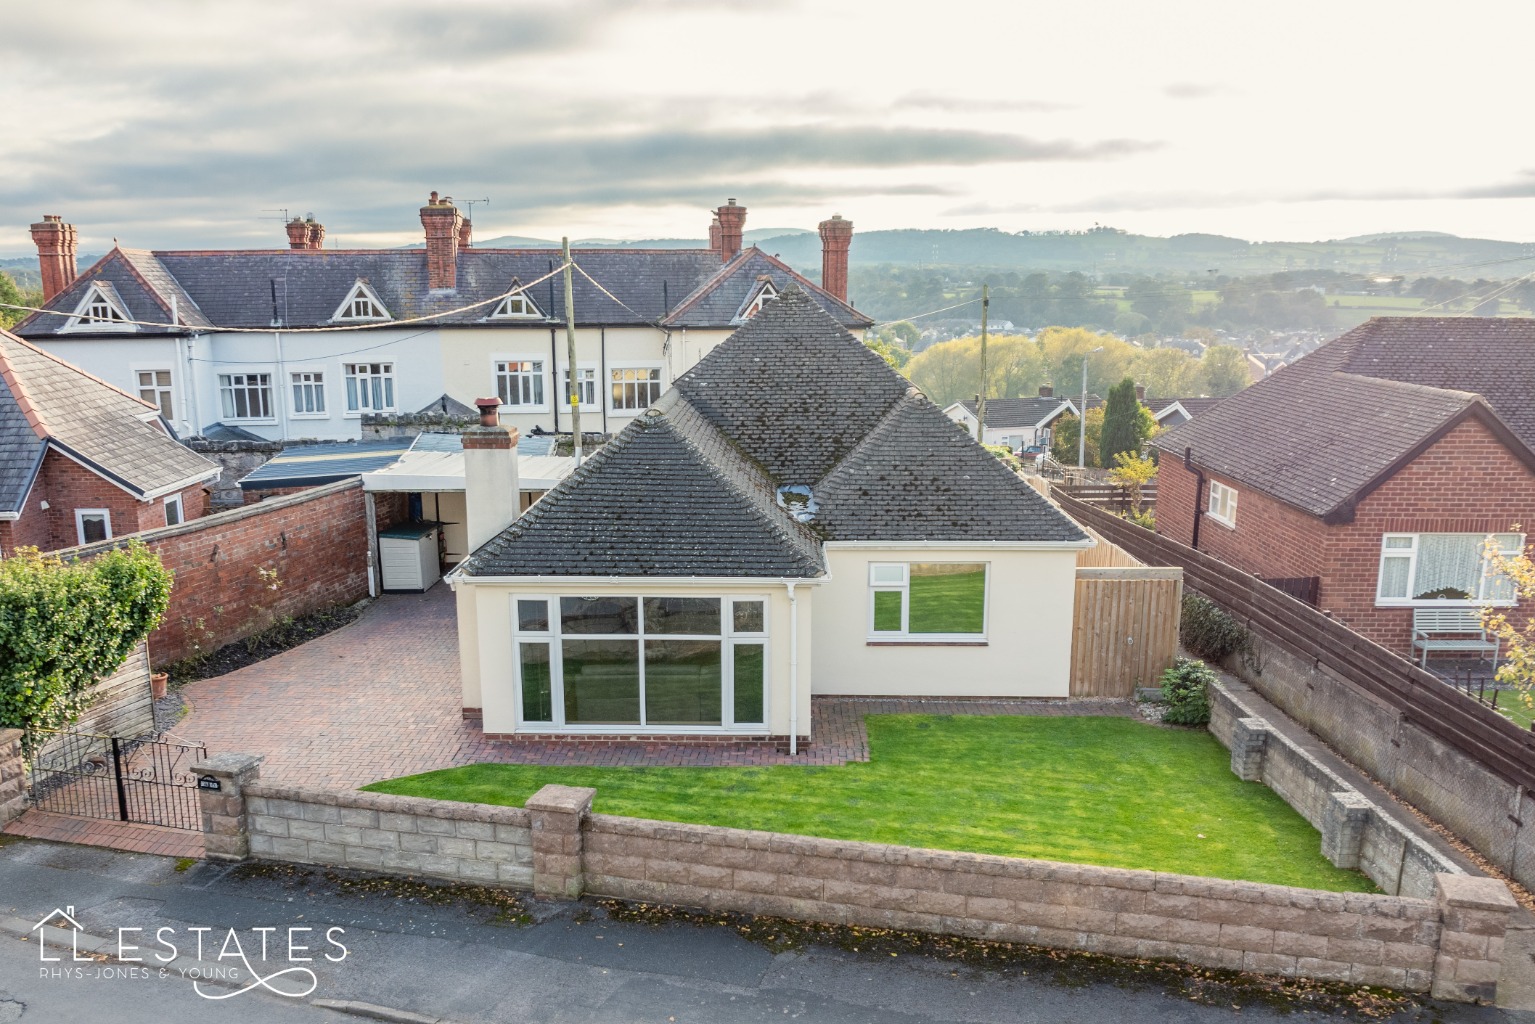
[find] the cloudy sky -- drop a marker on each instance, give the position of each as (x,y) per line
(182,123)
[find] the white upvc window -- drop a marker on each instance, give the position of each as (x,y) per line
(516,307)
(155,388)
(634,387)
(1437,569)
(1222,506)
(520,384)
(767,293)
(174,513)
(586,386)
(92,524)
(928,601)
(620,662)
(245,396)
(369,387)
(308,390)
(361,304)
(99,311)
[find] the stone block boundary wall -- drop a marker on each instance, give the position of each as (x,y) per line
(1451,945)
(1356,832)
(316,541)
(13,776)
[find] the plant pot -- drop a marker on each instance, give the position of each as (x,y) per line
(157,684)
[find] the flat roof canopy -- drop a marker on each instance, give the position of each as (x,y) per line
(427,462)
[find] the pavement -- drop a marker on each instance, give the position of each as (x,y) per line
(415,956)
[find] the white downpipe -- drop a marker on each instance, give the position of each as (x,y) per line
(793,671)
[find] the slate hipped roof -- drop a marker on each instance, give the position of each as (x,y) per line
(297,288)
(1329,428)
(45,402)
(690,488)
(1006,413)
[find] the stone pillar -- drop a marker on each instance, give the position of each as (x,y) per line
(557,813)
(13,776)
(1475,914)
(1249,741)
(224,834)
(1343,823)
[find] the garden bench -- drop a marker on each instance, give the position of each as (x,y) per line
(1451,629)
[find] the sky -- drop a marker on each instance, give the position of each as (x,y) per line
(187,124)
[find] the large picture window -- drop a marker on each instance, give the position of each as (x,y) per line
(245,396)
(635,387)
(1428,568)
(628,661)
(369,387)
(520,382)
(927,600)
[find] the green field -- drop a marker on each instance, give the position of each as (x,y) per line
(1109,791)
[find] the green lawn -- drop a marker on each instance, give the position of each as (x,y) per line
(1512,706)
(1108,791)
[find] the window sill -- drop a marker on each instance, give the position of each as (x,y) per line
(1446,604)
(1228,524)
(309,416)
(251,422)
(926,643)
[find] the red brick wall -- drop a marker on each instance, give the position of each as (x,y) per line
(316,542)
(1467,482)
(67,486)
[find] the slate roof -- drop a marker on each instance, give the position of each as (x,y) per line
(303,288)
(720,299)
(1005,413)
(44,400)
(1327,429)
(1192,406)
(791,399)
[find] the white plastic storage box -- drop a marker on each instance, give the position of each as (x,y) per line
(407,556)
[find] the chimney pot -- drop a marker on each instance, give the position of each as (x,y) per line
(732,220)
(1046,391)
(490,411)
(57,246)
(836,238)
(1140,392)
(464,233)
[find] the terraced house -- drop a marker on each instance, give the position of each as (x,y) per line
(305,341)
(791,518)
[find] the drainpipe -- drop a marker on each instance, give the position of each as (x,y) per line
(793,671)
(1199,493)
(280,387)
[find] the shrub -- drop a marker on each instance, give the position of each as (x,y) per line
(65,625)
(1210,633)
(1185,691)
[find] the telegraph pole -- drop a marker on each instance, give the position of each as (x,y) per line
(980,405)
(574,386)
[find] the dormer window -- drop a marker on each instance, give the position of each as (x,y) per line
(516,307)
(100,311)
(767,293)
(361,304)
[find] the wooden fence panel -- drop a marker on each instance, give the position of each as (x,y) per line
(1125,630)
(1107,555)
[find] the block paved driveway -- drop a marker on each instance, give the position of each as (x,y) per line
(380,698)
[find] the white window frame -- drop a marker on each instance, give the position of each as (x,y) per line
(765,294)
(173,501)
(316,384)
(346,313)
(500,366)
(728,637)
(81,513)
(1221,504)
(660,384)
(1409,554)
(233,372)
(168,390)
(355,378)
(587,381)
(83,321)
(504,309)
(902,585)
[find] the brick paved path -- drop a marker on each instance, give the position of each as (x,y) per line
(115,835)
(380,698)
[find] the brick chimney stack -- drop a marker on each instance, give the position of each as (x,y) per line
(714,233)
(443,223)
(1046,391)
(732,220)
(1140,392)
(305,233)
(836,237)
(316,239)
(56,249)
(464,233)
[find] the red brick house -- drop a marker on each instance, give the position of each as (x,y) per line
(81,461)
(1377,465)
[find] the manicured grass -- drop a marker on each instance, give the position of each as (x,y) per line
(1512,706)
(1108,791)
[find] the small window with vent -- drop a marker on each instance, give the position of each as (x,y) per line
(516,307)
(362,304)
(763,297)
(99,312)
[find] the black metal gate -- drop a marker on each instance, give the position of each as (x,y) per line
(148,779)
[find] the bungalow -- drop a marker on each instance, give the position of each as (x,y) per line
(304,342)
(81,461)
(1370,473)
(791,518)
(1020,422)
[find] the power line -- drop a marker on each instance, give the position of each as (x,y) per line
(931,312)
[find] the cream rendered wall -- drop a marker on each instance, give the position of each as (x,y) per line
(485,621)
(1030,601)
(464,600)
(450,509)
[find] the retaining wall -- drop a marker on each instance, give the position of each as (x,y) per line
(1451,944)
